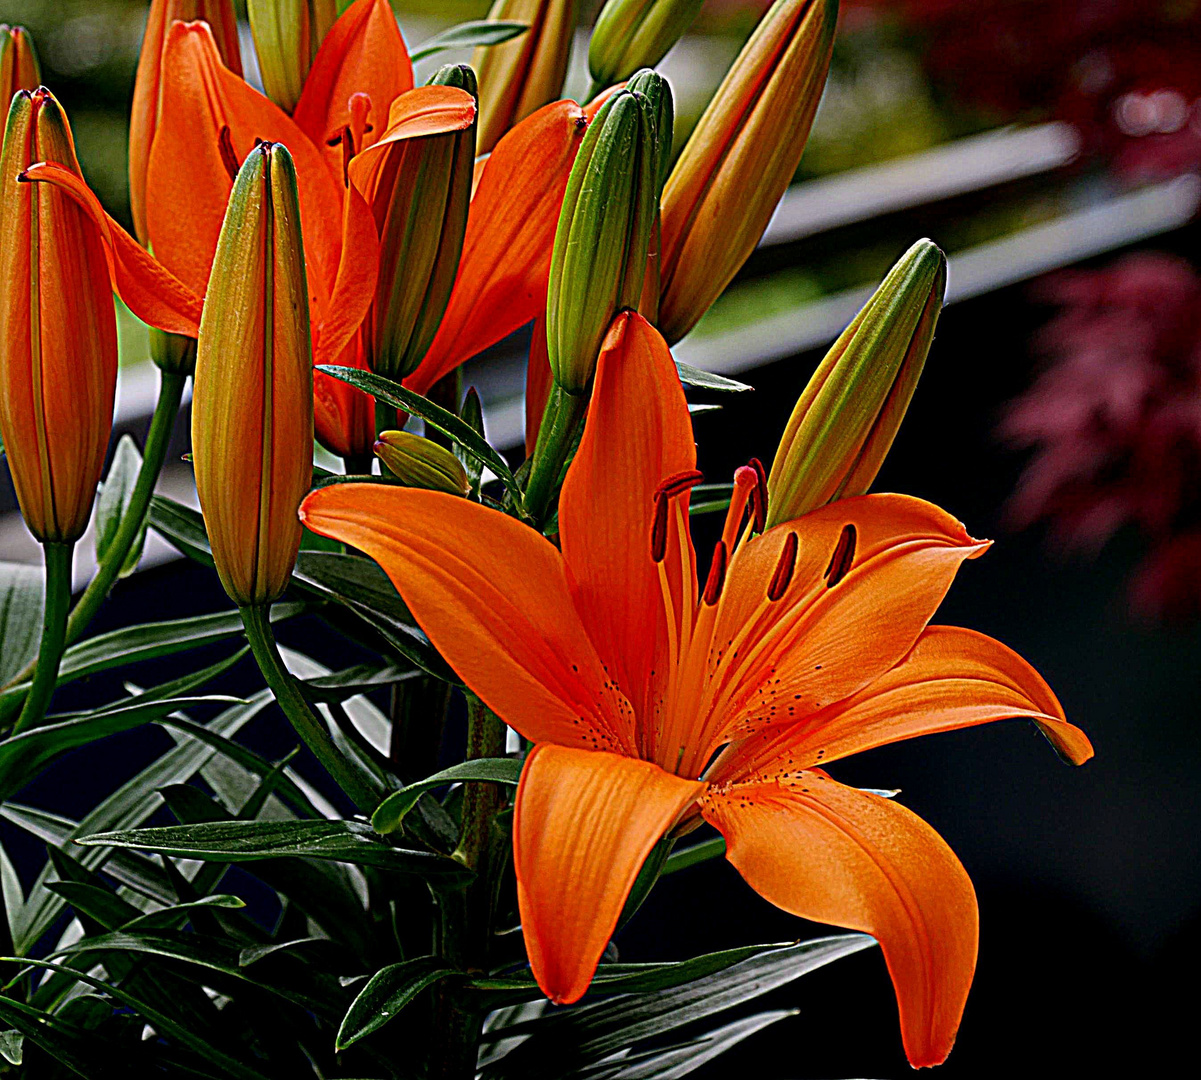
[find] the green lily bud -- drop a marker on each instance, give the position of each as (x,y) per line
(172,352)
(287,35)
(846,419)
(631,34)
(421,463)
(600,253)
(424,218)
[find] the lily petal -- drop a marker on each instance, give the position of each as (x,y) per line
(953,678)
(845,857)
(583,825)
(427,110)
(495,599)
(363,53)
(505,265)
(870,572)
(638,432)
(148,289)
(188,179)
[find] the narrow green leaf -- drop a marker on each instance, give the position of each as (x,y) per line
(85,1053)
(162,1023)
(22,757)
(148,641)
(182,527)
(443,420)
(113,500)
(20,616)
(586,1035)
(707,380)
(355,680)
(12,1046)
(243,841)
(470,35)
(698,853)
(667,1063)
(391,812)
(387,992)
(128,806)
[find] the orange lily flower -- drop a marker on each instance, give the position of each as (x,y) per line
(18,62)
(805,644)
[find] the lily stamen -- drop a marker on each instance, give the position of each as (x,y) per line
(229,157)
(782,578)
(717,574)
(843,557)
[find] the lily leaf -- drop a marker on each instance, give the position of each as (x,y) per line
(112,503)
(713,848)
(20,617)
(354,680)
(575,1038)
(182,527)
(23,756)
(443,420)
(245,841)
(468,35)
(707,380)
(387,992)
(391,812)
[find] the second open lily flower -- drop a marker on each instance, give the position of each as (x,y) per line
(804,644)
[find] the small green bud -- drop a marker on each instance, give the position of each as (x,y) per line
(421,463)
(172,352)
(609,208)
(631,34)
(846,419)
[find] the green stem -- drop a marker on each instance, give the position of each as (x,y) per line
(559,422)
(308,725)
(158,439)
(481,800)
(387,418)
(418,711)
(54,631)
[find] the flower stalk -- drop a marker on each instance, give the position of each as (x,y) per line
(57,599)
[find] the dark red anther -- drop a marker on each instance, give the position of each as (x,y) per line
(843,557)
(759,495)
(678,483)
(717,574)
(659,529)
(229,157)
(785,566)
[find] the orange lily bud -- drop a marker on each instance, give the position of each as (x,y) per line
(252,406)
(144,111)
(58,331)
(287,35)
(421,463)
(633,34)
(422,216)
(518,77)
(18,62)
(740,158)
(845,421)
(600,254)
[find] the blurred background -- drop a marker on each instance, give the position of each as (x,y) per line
(1054,150)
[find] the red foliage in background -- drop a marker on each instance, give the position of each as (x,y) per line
(1116,421)
(1126,73)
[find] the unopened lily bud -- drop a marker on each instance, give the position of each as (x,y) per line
(58,332)
(599,258)
(252,406)
(287,35)
(845,421)
(143,113)
(632,34)
(740,158)
(421,463)
(518,77)
(422,216)
(18,62)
